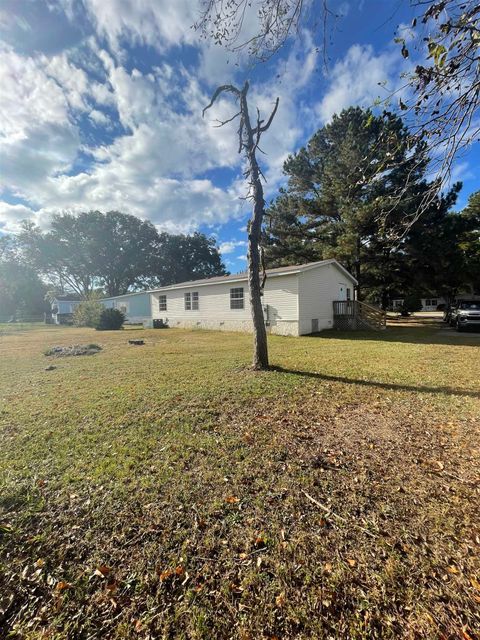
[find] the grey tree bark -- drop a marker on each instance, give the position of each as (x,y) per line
(249,138)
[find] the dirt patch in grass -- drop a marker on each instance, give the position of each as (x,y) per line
(73,350)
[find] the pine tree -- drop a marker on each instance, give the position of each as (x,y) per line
(351,194)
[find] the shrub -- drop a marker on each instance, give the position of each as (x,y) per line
(411,304)
(110,319)
(87,313)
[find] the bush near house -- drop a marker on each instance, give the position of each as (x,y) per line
(87,313)
(110,319)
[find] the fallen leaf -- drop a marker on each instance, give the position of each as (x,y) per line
(112,586)
(452,569)
(328,567)
(102,571)
(351,562)
(39,563)
(62,585)
(280,600)
(475,583)
(260,542)
(232,499)
(164,575)
(179,571)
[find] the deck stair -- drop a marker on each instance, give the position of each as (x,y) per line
(356,315)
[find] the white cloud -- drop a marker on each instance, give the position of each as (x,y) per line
(355,80)
(231,245)
(155,168)
(158,23)
(12,214)
(98,117)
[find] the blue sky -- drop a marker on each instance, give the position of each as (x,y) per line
(101,107)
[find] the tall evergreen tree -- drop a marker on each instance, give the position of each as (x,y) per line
(351,194)
(445,251)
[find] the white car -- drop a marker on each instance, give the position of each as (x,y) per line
(466,314)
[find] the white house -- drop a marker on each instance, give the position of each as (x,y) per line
(429,303)
(297,300)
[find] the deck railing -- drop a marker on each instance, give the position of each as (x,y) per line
(353,314)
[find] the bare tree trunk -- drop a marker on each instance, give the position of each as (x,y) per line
(249,139)
(260,351)
(260,348)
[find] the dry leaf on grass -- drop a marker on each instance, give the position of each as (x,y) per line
(475,583)
(102,571)
(280,600)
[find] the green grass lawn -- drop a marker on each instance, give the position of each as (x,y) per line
(168,491)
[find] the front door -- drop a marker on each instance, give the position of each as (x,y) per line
(342,291)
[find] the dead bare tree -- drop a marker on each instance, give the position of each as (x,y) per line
(249,139)
(439,99)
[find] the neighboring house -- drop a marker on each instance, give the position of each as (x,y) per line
(428,304)
(64,306)
(297,300)
(136,306)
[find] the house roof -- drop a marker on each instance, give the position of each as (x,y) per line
(239,277)
(69,297)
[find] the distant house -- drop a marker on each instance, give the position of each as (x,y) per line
(136,306)
(297,300)
(63,307)
(429,303)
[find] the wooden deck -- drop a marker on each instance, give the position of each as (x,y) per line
(356,315)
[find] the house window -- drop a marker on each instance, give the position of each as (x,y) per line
(349,293)
(191,301)
(123,308)
(236,298)
(433,302)
(162,303)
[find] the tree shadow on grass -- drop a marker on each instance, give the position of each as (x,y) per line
(436,334)
(452,391)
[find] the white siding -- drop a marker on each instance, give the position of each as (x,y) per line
(318,288)
(280,298)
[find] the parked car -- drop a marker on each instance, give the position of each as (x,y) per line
(465,314)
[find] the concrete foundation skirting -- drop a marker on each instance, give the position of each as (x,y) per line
(242,326)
